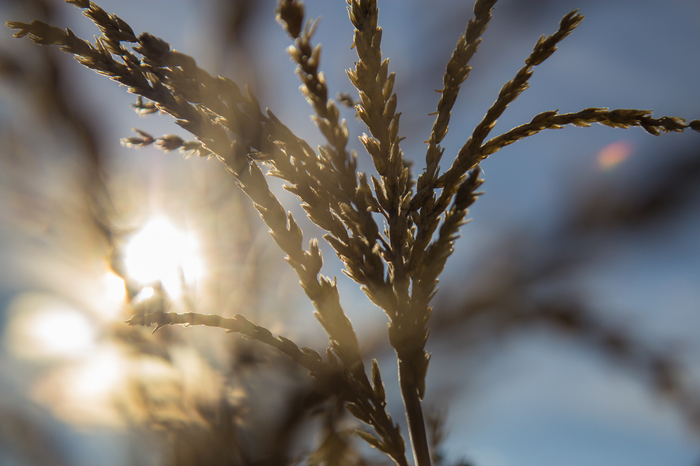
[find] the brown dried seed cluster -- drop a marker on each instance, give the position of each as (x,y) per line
(456,72)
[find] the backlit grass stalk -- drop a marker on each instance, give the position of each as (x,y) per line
(397,266)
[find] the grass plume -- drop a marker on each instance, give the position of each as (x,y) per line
(397,267)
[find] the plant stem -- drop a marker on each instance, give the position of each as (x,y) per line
(414,414)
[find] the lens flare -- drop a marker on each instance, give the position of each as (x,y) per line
(160,252)
(614,154)
(43,327)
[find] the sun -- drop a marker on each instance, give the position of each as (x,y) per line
(161,252)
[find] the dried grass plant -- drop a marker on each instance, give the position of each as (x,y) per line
(392,230)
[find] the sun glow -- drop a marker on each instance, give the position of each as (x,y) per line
(43,327)
(160,252)
(90,391)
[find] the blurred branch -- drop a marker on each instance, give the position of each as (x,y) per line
(509,298)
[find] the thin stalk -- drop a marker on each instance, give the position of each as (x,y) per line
(414,414)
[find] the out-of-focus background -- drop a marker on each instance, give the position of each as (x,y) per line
(566,327)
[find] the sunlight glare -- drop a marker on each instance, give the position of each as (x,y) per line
(100,374)
(88,392)
(145,294)
(44,327)
(112,296)
(162,252)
